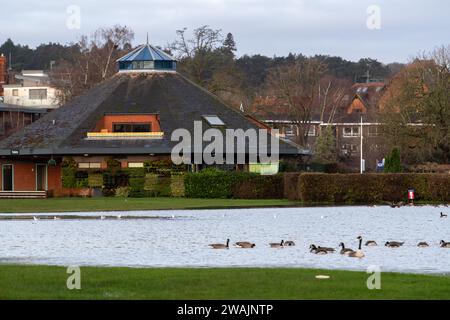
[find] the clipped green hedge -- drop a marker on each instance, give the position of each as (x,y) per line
(372,188)
(290,186)
(177,185)
(213,183)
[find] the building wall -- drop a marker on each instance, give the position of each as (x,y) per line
(22,97)
(124,160)
(25,175)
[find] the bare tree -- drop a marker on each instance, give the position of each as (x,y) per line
(298,85)
(93,63)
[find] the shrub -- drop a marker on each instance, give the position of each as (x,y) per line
(393,163)
(177,185)
(214,183)
(290,186)
(122,192)
(95,180)
(372,188)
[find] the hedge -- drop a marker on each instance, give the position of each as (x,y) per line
(213,183)
(371,188)
(290,186)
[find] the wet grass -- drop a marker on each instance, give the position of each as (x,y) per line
(130,204)
(45,282)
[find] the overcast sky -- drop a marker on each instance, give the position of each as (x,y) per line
(269,27)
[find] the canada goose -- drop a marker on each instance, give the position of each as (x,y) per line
(345,250)
(444,244)
(289,243)
(422,245)
(245,245)
(443,215)
(326,249)
(371,243)
(317,250)
(393,244)
(220,245)
(358,253)
(277,245)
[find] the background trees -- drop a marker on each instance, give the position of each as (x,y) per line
(416,109)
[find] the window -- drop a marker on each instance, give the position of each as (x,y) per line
(149,65)
(135,164)
(15,92)
(289,131)
(348,149)
(374,131)
(214,120)
(132,127)
(37,94)
(89,165)
(351,132)
(312,131)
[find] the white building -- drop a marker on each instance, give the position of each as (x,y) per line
(32,89)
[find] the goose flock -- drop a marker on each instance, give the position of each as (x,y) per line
(320,250)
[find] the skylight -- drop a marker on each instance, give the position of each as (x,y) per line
(214,120)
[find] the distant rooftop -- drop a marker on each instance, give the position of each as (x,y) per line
(146,58)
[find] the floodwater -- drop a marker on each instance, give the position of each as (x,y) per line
(181,239)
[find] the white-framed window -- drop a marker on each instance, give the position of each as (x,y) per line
(37,94)
(348,148)
(374,131)
(351,132)
(15,92)
(135,164)
(312,131)
(289,130)
(89,165)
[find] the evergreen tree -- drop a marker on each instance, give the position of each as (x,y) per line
(325,147)
(229,44)
(393,162)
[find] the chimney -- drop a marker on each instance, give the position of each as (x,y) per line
(3,72)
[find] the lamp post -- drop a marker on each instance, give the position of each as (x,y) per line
(361,164)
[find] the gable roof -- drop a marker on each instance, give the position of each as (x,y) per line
(178,101)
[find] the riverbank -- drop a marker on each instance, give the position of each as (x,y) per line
(48,282)
(131,204)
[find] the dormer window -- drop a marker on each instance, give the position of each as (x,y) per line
(132,127)
(127,126)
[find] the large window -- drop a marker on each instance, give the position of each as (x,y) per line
(89,165)
(132,127)
(351,132)
(37,94)
(374,131)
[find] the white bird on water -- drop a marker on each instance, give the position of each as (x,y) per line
(35,218)
(119,216)
(102,217)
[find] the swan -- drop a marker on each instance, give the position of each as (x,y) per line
(220,245)
(35,218)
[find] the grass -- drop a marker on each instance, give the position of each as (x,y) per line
(46,282)
(129,204)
